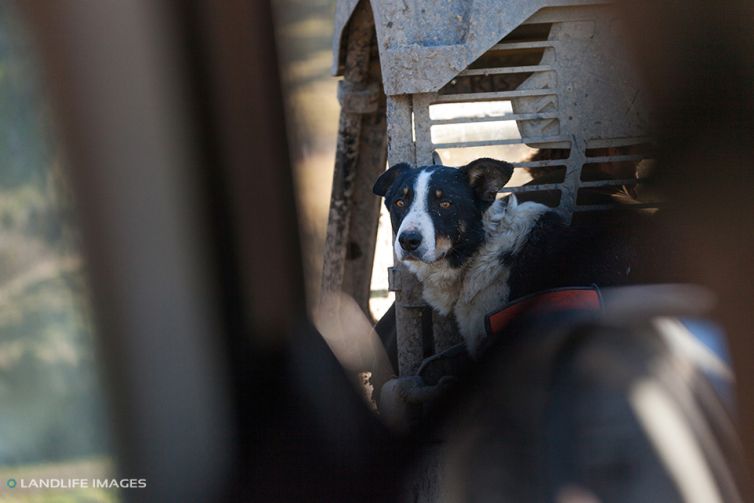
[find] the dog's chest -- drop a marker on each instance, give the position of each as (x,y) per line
(441,284)
(481,285)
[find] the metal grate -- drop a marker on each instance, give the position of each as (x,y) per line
(559,98)
(530,71)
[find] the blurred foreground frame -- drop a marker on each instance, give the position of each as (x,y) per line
(172,119)
(696,62)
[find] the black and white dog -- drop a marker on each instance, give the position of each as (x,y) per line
(473,252)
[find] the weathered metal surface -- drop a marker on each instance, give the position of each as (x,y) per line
(598,90)
(409,308)
(426,43)
(408,300)
(357,99)
(578,92)
(399,130)
(340,203)
(444,332)
(365,208)
(360,157)
(343,12)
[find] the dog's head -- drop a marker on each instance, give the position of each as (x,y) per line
(436,211)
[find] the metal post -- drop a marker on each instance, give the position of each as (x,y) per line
(360,157)
(409,305)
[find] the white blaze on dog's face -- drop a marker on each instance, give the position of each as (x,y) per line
(436,211)
(415,238)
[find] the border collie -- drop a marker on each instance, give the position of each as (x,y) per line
(473,252)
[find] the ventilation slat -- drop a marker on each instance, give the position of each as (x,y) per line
(618,142)
(496,118)
(513,141)
(505,70)
(531,188)
(558,186)
(501,95)
(508,46)
(540,164)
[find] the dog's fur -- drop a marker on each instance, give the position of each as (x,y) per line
(473,253)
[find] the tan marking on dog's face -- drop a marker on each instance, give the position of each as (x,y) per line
(438,193)
(443,245)
(405,191)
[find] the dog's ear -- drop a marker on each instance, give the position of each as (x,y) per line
(386,179)
(487,177)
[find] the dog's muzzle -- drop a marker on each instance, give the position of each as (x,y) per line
(410,241)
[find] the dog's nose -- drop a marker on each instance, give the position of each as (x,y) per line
(410,240)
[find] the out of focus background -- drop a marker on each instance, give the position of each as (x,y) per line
(53,419)
(304,34)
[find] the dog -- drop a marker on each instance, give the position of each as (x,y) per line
(474,252)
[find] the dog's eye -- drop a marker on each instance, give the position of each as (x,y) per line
(400,203)
(445,205)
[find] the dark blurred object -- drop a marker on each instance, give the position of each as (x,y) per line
(696,59)
(172,116)
(698,64)
(611,409)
